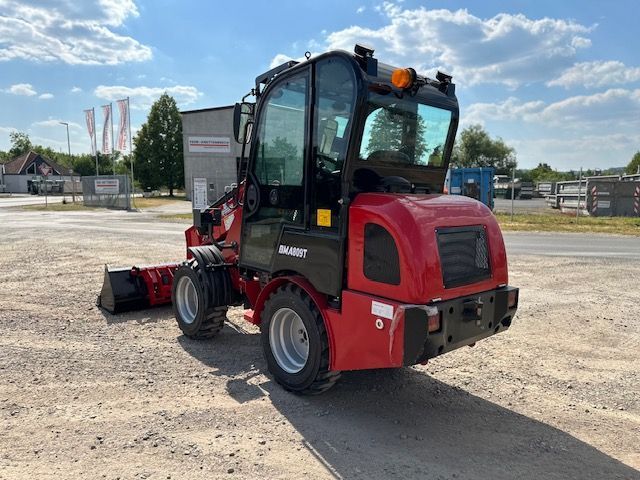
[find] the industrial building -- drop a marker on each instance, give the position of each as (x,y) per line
(211,154)
(24,174)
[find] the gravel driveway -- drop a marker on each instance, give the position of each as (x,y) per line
(84,394)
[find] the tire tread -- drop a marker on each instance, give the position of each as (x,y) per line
(324,379)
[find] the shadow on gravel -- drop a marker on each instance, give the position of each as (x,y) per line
(402,423)
(150,315)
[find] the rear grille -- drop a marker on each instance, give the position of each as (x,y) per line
(464,255)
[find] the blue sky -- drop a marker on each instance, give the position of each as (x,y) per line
(559,81)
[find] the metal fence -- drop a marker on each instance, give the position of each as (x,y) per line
(604,196)
(107,191)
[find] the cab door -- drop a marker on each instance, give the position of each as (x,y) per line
(275,194)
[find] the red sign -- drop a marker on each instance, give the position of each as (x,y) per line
(45,169)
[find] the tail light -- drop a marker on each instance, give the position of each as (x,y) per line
(512,299)
(433,322)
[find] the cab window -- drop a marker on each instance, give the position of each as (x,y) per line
(335,92)
(280,156)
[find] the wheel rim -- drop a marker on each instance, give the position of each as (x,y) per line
(289,340)
(187,300)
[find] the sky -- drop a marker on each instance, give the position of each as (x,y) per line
(558,81)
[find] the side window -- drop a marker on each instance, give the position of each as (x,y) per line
(280,143)
(335,93)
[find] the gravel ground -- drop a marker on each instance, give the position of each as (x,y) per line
(84,394)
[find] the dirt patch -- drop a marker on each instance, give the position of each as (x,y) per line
(88,395)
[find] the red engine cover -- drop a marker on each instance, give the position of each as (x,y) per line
(412,221)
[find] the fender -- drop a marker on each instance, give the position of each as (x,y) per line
(328,314)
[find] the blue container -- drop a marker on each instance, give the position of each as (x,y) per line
(472,182)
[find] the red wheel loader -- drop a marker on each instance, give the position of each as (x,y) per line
(337,238)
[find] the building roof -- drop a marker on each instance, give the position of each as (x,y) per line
(201,110)
(20,164)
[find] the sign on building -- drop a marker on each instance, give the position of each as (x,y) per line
(209,144)
(107,186)
(200,193)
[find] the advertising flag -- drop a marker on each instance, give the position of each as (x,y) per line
(123,126)
(91,128)
(107,130)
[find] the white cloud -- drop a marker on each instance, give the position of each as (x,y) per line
(597,74)
(76,90)
(46,96)
(7,129)
(506,49)
(615,108)
(25,89)
(281,58)
(510,109)
(588,151)
(54,122)
(60,144)
(143,97)
(594,131)
(361,9)
(68,31)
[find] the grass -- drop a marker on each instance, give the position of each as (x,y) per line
(568,223)
(543,222)
(139,203)
(176,217)
(151,202)
(59,207)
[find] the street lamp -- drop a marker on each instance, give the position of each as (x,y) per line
(66,124)
(73,186)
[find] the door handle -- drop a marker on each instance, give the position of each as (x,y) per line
(252,198)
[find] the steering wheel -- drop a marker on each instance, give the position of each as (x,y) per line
(388,156)
(326,158)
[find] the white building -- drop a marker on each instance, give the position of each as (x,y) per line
(23,172)
(210,151)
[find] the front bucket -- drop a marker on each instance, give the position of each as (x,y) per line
(122,292)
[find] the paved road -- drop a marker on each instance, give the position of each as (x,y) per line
(145,223)
(17,200)
(85,223)
(572,245)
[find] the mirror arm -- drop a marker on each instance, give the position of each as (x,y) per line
(242,153)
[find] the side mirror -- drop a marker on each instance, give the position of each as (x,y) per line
(242,116)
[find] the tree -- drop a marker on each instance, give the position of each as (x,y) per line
(20,143)
(475,148)
(158,157)
(634,164)
(387,134)
(544,172)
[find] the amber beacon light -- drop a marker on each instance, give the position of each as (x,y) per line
(403,77)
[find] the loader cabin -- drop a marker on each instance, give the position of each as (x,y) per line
(323,131)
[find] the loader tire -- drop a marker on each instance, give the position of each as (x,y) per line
(192,305)
(295,343)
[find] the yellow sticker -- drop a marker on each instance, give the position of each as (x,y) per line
(324,217)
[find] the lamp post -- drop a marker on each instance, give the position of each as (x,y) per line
(73,187)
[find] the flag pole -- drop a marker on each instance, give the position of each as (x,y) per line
(113,146)
(95,139)
(133,188)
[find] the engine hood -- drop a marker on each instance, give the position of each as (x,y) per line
(413,222)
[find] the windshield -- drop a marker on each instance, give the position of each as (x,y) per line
(404,132)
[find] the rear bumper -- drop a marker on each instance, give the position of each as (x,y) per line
(463,321)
